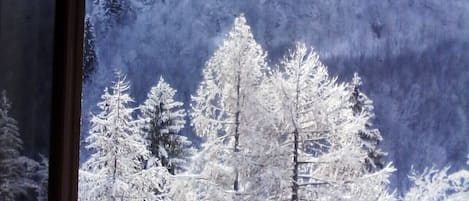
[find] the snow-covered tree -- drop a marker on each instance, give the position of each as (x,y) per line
(161,124)
(315,114)
(460,184)
(433,185)
(89,55)
(119,167)
(224,111)
(370,137)
(14,168)
(42,175)
(430,185)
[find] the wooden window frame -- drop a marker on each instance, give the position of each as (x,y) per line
(66,100)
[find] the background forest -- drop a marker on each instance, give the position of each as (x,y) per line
(411,57)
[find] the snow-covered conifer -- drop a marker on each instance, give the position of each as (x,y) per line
(431,184)
(118,168)
(460,185)
(315,114)
(222,108)
(370,137)
(161,124)
(434,184)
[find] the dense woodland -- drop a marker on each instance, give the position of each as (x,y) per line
(284,132)
(411,57)
(266,119)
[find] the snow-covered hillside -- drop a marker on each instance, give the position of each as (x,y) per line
(412,56)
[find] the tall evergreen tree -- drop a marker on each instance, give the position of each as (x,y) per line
(14,168)
(370,137)
(162,121)
(118,168)
(89,58)
(314,113)
(222,109)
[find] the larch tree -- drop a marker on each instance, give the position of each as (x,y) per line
(15,168)
(119,167)
(370,137)
(314,113)
(222,111)
(161,123)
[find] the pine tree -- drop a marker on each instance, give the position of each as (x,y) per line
(14,168)
(222,109)
(314,112)
(369,136)
(119,167)
(89,59)
(163,119)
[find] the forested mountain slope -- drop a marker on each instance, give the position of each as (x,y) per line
(412,56)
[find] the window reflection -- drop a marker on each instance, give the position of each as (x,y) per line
(26,35)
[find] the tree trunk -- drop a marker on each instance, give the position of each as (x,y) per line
(294,195)
(236,144)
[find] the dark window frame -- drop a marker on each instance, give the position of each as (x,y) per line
(66,100)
